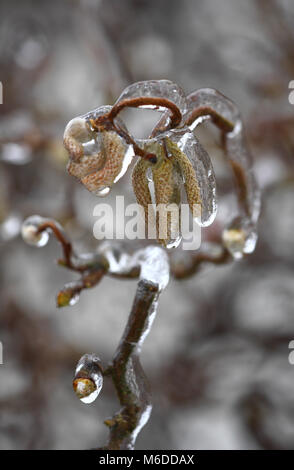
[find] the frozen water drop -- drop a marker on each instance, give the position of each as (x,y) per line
(68,296)
(30,234)
(74,300)
(234,241)
(10,227)
(240,238)
(102,192)
(16,154)
(88,380)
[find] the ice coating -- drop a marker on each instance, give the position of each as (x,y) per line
(240,237)
(68,296)
(212,104)
(166,183)
(118,260)
(97,158)
(30,234)
(88,380)
(209,103)
(163,89)
(154,265)
(242,165)
(201,163)
(170,158)
(152,262)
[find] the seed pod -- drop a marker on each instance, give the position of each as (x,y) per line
(189,175)
(98,157)
(84,147)
(114,149)
(167,195)
(141,190)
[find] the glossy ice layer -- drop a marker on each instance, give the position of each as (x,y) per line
(240,237)
(97,159)
(201,163)
(206,100)
(164,89)
(88,379)
(241,160)
(209,103)
(29,231)
(165,188)
(154,265)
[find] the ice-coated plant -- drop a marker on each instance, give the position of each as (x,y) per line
(100,150)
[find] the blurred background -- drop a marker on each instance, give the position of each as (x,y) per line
(218,354)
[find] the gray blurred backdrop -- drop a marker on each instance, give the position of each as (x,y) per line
(218,354)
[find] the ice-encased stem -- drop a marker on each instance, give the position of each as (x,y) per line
(225,115)
(126,371)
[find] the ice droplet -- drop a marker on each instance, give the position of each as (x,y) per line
(74,300)
(88,380)
(16,154)
(103,192)
(29,231)
(240,238)
(68,296)
(10,227)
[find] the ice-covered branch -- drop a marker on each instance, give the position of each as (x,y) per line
(126,370)
(127,373)
(216,254)
(240,235)
(151,265)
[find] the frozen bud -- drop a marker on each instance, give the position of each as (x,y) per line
(88,380)
(240,238)
(68,296)
(84,388)
(30,231)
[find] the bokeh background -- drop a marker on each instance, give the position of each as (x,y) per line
(218,354)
